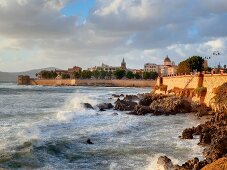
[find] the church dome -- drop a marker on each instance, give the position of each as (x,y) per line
(167,59)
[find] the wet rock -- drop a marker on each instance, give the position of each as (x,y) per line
(104,106)
(141,110)
(171,104)
(164,163)
(115,114)
(124,105)
(87,106)
(187,133)
(131,98)
(148,98)
(89,141)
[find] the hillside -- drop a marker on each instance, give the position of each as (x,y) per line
(12,76)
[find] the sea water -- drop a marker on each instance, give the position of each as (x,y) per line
(47,128)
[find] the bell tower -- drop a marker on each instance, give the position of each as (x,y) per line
(123,64)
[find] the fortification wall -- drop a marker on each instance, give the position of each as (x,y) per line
(210,81)
(89,82)
(116,83)
(45,82)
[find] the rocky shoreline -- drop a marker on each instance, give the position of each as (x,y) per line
(212,134)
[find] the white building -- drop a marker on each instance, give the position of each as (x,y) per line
(151,67)
(168,68)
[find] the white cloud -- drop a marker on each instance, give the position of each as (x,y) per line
(139,30)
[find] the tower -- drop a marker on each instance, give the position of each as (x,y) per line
(167,61)
(123,64)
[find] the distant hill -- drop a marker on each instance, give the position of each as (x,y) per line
(12,76)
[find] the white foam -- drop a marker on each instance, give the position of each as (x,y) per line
(74,106)
(153,163)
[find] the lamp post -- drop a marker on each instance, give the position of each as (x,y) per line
(217,53)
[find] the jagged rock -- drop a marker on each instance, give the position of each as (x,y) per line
(87,106)
(116,95)
(131,98)
(187,133)
(164,163)
(148,98)
(141,110)
(171,104)
(123,105)
(104,106)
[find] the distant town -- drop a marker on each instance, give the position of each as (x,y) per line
(104,71)
(150,71)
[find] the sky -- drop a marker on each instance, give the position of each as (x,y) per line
(65,33)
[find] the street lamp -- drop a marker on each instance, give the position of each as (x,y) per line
(217,53)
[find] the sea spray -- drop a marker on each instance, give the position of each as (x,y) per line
(74,106)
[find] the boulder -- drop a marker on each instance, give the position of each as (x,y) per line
(124,105)
(104,106)
(131,98)
(87,106)
(141,110)
(171,105)
(164,163)
(187,133)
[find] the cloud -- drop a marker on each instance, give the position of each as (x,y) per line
(139,30)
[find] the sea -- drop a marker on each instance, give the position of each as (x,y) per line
(47,128)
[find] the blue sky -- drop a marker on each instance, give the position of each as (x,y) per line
(79,8)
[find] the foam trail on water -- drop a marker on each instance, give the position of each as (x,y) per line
(74,106)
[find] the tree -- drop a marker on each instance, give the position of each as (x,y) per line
(65,76)
(85,74)
(137,76)
(146,75)
(183,67)
(48,74)
(194,63)
(103,74)
(129,75)
(96,74)
(119,73)
(77,74)
(154,75)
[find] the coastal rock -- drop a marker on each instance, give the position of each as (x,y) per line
(219,164)
(187,133)
(131,98)
(104,106)
(171,105)
(148,98)
(124,105)
(213,135)
(87,106)
(141,110)
(164,163)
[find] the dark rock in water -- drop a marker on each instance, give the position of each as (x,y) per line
(89,141)
(131,98)
(164,163)
(170,105)
(187,133)
(104,106)
(102,110)
(148,98)
(115,114)
(141,110)
(123,105)
(87,106)
(115,95)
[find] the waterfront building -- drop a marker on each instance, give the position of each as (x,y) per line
(109,68)
(166,69)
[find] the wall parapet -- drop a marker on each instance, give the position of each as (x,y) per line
(189,82)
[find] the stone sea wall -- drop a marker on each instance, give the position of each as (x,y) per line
(209,81)
(92,82)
